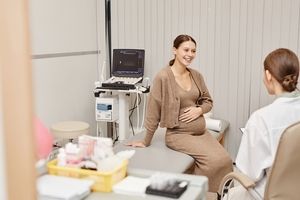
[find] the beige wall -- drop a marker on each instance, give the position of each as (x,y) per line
(233,38)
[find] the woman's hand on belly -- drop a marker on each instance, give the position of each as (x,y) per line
(190,114)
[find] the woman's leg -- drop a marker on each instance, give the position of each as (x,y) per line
(211,159)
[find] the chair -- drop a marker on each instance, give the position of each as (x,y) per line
(283,179)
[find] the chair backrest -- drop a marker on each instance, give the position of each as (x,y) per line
(284,177)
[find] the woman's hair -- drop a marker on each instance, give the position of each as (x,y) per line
(177,42)
(283,64)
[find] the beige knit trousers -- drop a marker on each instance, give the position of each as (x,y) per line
(211,159)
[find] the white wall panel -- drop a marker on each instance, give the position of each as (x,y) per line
(233,75)
(221,81)
(189,18)
(200,30)
(256,55)
(211,45)
(63,86)
(160,33)
(64,89)
(233,38)
(167,31)
(61,26)
(154,31)
(141,24)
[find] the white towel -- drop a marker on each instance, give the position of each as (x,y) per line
(213,124)
(63,188)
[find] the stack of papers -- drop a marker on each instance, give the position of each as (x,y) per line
(52,187)
(132,185)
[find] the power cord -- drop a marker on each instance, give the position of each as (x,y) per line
(132,110)
(116,133)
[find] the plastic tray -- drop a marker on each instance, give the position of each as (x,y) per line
(103,180)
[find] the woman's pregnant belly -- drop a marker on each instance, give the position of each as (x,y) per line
(196,127)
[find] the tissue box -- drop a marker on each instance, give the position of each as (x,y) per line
(103,181)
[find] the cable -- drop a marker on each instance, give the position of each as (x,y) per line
(135,103)
(144,111)
(116,133)
(137,113)
(131,126)
(97,129)
(132,110)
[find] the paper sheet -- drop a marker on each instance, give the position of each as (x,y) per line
(132,185)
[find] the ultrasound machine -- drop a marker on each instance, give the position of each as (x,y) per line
(127,69)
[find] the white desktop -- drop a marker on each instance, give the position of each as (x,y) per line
(196,190)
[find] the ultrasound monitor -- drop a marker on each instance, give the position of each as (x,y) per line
(128,62)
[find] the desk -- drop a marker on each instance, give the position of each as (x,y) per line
(123,97)
(197,189)
(198,186)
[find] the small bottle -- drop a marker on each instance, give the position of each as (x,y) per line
(61,158)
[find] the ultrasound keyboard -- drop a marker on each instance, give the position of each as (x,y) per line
(120,83)
(117,86)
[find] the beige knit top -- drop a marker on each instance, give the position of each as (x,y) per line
(164,103)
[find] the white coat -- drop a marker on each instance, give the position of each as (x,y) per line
(261,137)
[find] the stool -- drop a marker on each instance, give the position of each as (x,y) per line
(69,130)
